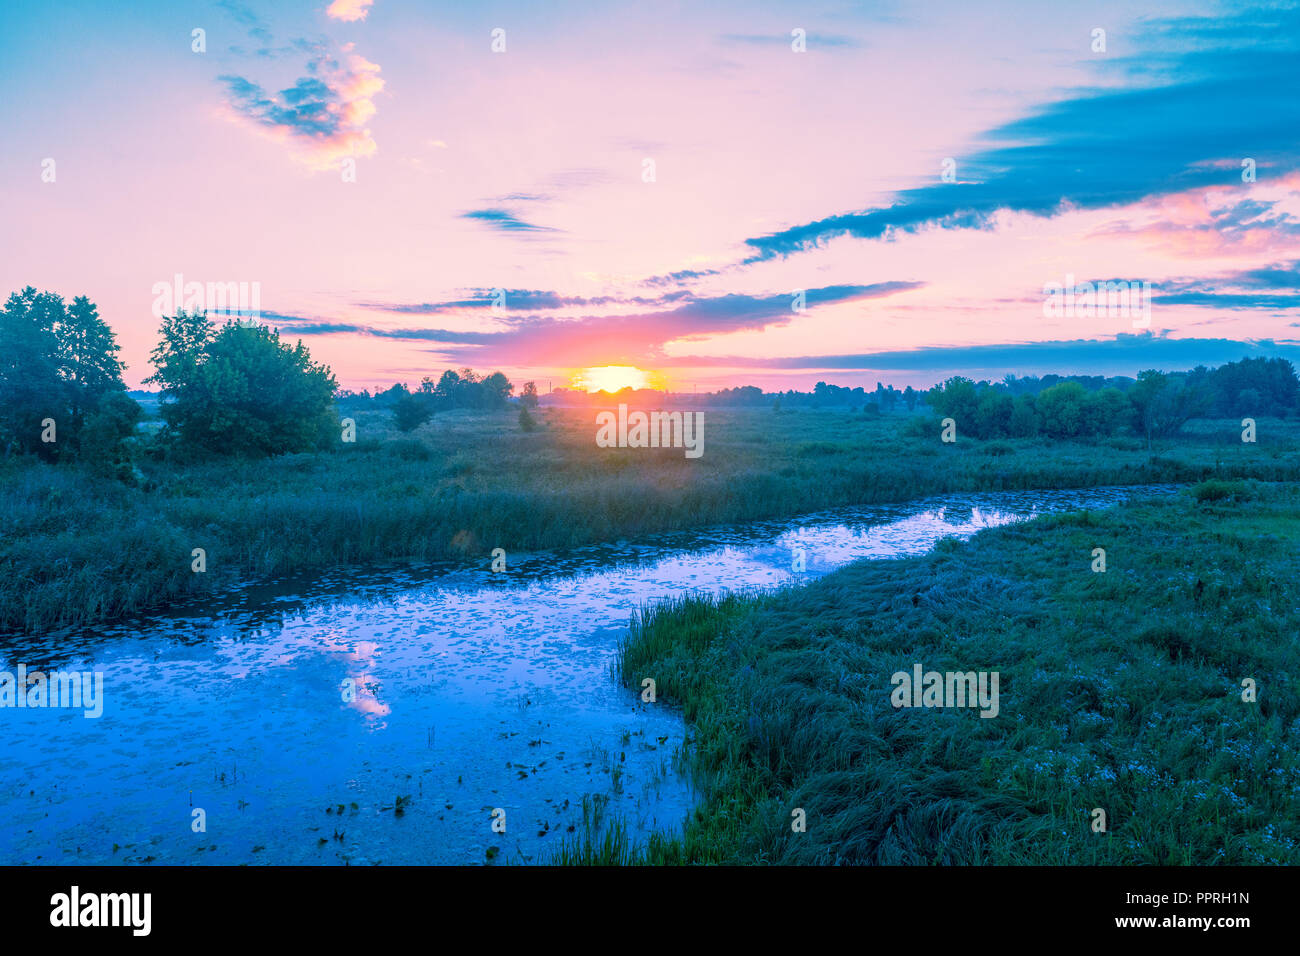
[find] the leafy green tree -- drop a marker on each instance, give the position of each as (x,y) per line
(56,362)
(497,390)
(108,435)
(992,414)
(242,391)
(1024,422)
(1162,404)
(31,389)
(89,364)
(185,338)
(448,388)
(528,398)
(412,411)
(1106,410)
(956,399)
(1061,410)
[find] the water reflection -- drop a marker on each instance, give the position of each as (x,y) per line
(470,692)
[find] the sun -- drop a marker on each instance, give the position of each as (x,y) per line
(610,378)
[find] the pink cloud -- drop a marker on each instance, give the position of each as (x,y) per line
(348,10)
(322,117)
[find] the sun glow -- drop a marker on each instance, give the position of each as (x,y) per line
(610,378)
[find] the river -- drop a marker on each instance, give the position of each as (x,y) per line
(294,715)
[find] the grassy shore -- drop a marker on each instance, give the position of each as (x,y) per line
(77,549)
(1120,690)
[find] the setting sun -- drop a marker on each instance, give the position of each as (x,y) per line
(610,378)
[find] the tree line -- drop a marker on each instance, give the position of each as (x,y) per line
(1155,405)
(463,388)
(236,388)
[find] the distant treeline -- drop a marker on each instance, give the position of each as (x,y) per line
(454,389)
(237,389)
(1156,404)
(1059,405)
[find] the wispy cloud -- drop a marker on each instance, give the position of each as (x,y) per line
(323,116)
(533,339)
(813,40)
(504,221)
(1124,354)
(1064,156)
(520,300)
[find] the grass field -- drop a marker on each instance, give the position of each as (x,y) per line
(76,549)
(1120,691)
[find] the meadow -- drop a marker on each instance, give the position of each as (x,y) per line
(77,548)
(1122,691)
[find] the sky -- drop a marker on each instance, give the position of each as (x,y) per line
(722,194)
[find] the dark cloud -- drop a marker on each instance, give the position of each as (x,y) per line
(1271,288)
(1204,108)
(533,339)
(504,221)
(519,300)
(1123,355)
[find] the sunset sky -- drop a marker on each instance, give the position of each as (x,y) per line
(773,171)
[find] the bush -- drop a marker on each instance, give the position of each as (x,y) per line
(408,449)
(411,411)
(1216,489)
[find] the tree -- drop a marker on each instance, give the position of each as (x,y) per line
(1061,410)
(448,388)
(529,396)
(1024,421)
(1272,380)
(1163,404)
(496,389)
(241,390)
(57,363)
(412,411)
(30,387)
(88,361)
(185,339)
(992,414)
(956,399)
(107,435)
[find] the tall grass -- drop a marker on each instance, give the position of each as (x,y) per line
(75,549)
(1119,690)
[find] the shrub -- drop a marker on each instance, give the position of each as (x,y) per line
(408,449)
(1216,489)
